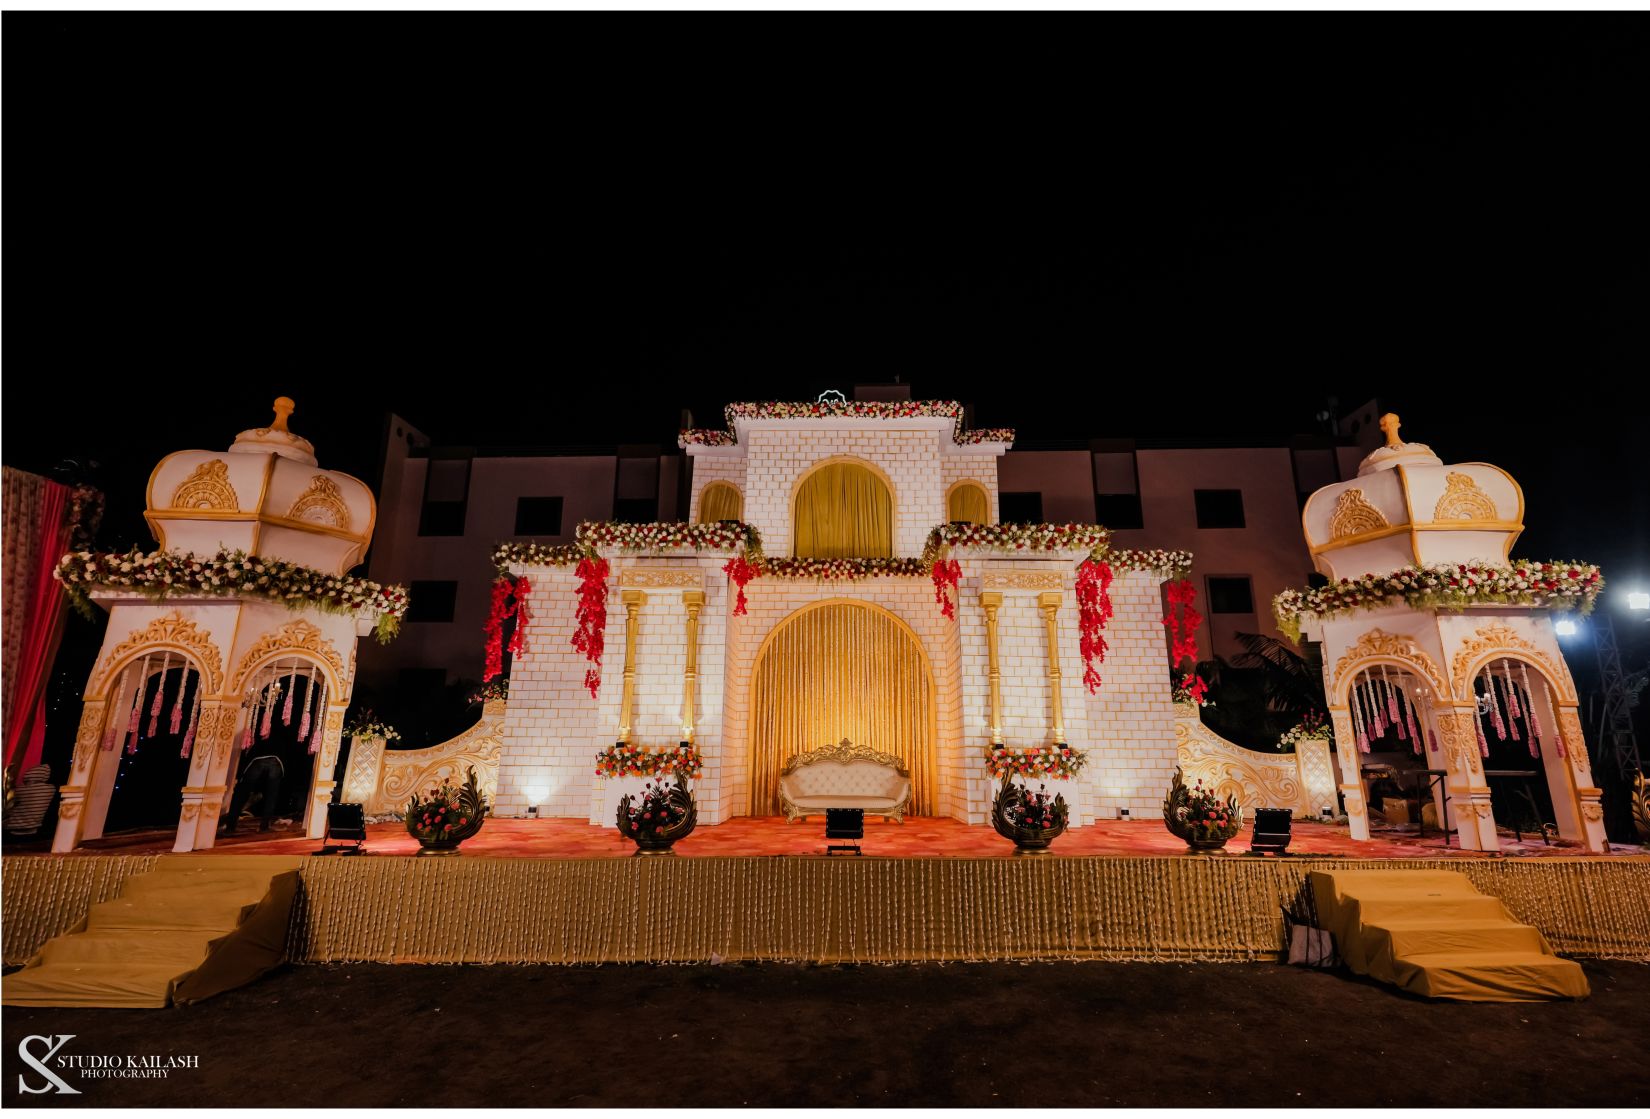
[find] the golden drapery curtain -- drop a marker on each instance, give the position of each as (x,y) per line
(720,501)
(843,510)
(969,503)
(841,670)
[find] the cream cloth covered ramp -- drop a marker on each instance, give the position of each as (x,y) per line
(1433,933)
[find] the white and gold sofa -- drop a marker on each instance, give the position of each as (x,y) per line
(844,776)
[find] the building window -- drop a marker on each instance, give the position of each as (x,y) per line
(720,501)
(1118,510)
(1219,508)
(538,516)
(431,600)
(441,518)
(636,510)
(1230,594)
(1020,508)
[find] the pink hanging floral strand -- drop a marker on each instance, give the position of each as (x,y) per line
(320,721)
(135,723)
(309,703)
(111,724)
(176,721)
(291,694)
(1536,731)
(194,719)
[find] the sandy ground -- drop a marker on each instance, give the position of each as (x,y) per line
(1008,1035)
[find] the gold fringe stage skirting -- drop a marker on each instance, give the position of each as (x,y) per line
(868,910)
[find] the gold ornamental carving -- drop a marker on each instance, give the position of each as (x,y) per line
(208,487)
(175,632)
(91,730)
(1499,638)
(1462,500)
(844,752)
(1257,780)
(1484,809)
(1353,515)
(1378,643)
(190,809)
(1593,810)
(660,577)
(405,771)
(70,808)
(321,504)
(214,732)
(1021,581)
(1459,740)
(294,637)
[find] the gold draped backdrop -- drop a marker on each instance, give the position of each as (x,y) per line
(843,511)
(841,670)
(969,503)
(720,501)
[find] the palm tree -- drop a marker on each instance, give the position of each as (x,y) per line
(1263,691)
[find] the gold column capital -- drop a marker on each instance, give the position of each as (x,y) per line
(1049,601)
(991,599)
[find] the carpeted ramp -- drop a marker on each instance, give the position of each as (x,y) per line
(189,928)
(1433,933)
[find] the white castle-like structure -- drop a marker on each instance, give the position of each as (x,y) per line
(199,665)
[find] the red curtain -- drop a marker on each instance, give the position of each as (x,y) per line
(37,532)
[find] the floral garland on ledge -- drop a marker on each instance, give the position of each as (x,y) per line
(668,536)
(160,574)
(853,409)
(622,759)
(510,596)
(1312,725)
(1561,584)
(364,724)
(1014,538)
(1058,762)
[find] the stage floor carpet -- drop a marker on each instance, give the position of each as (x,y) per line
(918,837)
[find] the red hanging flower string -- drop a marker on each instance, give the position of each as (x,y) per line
(741,571)
(947,573)
(524,616)
(1094,610)
(494,628)
(1182,625)
(590,632)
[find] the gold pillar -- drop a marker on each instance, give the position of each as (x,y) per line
(633,601)
(1049,603)
(693,602)
(991,602)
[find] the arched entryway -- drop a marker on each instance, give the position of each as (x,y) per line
(841,669)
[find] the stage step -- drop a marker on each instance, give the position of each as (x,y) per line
(187,929)
(1433,933)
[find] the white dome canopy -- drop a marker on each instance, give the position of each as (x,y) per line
(264,496)
(1407,507)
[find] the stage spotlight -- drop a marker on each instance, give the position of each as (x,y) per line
(1271,832)
(1638,600)
(844,823)
(347,823)
(1564,627)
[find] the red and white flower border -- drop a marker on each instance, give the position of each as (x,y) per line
(624,759)
(1059,762)
(160,574)
(853,409)
(1559,584)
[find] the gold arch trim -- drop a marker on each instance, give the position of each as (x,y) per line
(171,633)
(834,670)
(297,638)
(1497,640)
(1462,500)
(720,500)
(843,508)
(1353,515)
(968,500)
(1379,647)
(322,504)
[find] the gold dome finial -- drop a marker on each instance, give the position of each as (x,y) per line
(1389,424)
(284,407)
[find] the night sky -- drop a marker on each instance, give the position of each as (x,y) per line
(555,231)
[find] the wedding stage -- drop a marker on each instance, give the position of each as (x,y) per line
(580,898)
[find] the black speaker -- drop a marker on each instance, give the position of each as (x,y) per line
(1271,831)
(346,823)
(844,823)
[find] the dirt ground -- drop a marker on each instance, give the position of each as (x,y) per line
(1004,1035)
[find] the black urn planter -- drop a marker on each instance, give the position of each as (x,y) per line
(653,839)
(1007,808)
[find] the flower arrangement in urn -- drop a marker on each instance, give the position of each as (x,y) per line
(447,816)
(1199,816)
(664,814)
(1031,819)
